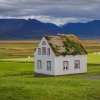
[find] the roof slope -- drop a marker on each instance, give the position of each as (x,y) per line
(65,45)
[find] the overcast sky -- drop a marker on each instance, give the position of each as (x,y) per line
(55,11)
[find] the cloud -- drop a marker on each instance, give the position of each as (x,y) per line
(56,11)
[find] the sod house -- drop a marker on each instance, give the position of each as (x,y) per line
(60,55)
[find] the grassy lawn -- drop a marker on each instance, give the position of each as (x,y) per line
(17,82)
(93,58)
(18,60)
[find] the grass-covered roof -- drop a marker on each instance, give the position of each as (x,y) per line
(65,45)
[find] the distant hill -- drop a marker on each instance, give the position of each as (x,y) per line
(89,29)
(24,29)
(34,29)
(55,27)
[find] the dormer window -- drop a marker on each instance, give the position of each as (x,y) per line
(48,51)
(43,50)
(39,51)
(43,43)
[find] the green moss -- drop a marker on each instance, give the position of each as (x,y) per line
(71,44)
(78,48)
(65,53)
(55,49)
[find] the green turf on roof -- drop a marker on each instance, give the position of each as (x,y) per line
(65,45)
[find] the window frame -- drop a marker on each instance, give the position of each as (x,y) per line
(38,64)
(48,66)
(43,43)
(43,51)
(77,61)
(48,51)
(39,51)
(64,68)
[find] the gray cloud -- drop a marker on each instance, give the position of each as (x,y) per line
(56,11)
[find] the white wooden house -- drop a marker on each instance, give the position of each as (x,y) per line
(60,55)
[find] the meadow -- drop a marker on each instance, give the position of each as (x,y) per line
(17,81)
(17,48)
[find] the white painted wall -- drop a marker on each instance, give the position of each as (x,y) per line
(44,59)
(59,64)
(84,63)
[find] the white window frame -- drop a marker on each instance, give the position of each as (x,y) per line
(43,43)
(48,51)
(49,65)
(43,50)
(65,65)
(39,51)
(39,64)
(77,64)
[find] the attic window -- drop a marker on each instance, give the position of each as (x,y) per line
(43,50)
(43,43)
(65,65)
(48,51)
(77,64)
(39,64)
(39,51)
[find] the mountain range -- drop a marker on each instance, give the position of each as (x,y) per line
(17,29)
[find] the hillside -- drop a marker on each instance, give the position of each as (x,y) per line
(89,29)
(34,29)
(24,29)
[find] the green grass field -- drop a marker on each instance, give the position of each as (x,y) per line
(18,60)
(17,81)
(93,58)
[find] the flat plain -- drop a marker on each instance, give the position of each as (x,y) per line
(17,81)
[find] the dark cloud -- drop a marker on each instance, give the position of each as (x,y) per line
(56,11)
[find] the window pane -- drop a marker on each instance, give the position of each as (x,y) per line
(39,51)
(43,50)
(77,64)
(48,51)
(65,65)
(39,64)
(48,65)
(43,43)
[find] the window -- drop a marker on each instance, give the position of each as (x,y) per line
(65,65)
(48,51)
(39,51)
(43,43)
(39,64)
(77,64)
(49,65)
(43,50)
